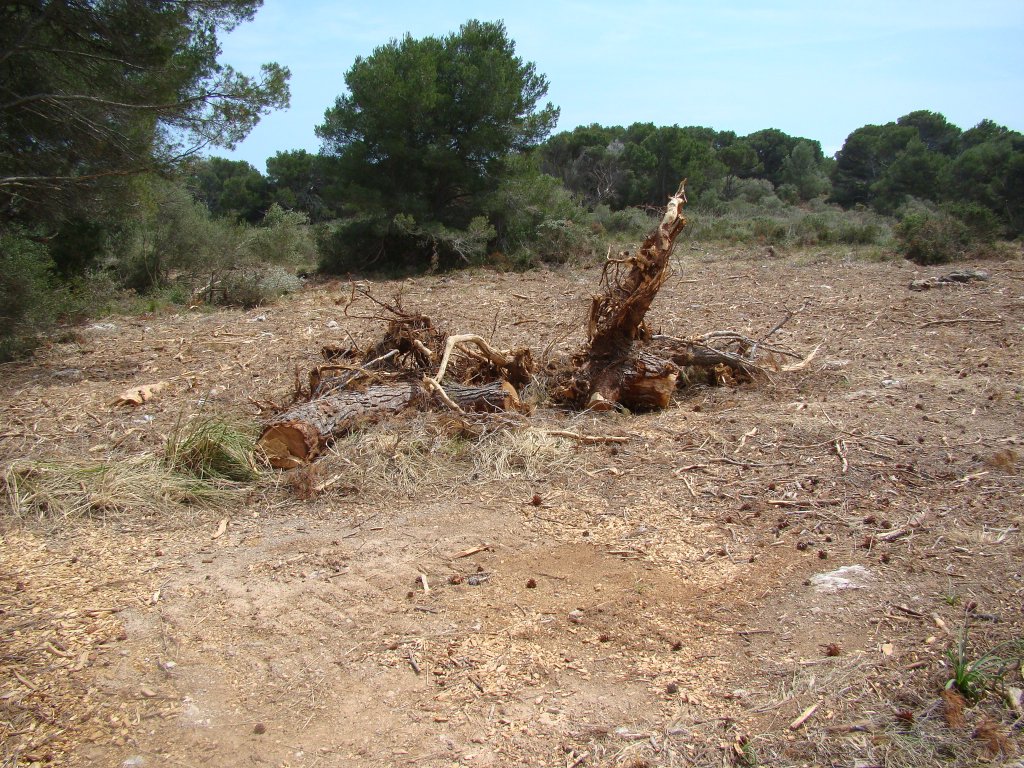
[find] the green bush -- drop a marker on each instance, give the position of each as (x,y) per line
(31,299)
(629,221)
(537,220)
(982,222)
(284,238)
(770,231)
(932,238)
(374,243)
(354,245)
(255,285)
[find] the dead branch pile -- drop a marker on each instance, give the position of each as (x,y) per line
(622,365)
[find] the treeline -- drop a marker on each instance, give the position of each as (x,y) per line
(921,158)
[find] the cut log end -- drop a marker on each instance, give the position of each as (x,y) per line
(288,445)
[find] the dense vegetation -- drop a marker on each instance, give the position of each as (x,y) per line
(438,153)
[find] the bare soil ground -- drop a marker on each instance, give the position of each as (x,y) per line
(659,605)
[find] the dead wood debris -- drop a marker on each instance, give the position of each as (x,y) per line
(622,365)
(959,277)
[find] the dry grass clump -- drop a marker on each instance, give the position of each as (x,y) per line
(431,451)
(213,448)
(63,491)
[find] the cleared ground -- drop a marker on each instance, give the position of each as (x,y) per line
(431,600)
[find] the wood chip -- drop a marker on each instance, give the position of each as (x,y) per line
(221,528)
(470,551)
(804,716)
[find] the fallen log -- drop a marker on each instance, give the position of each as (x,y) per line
(300,434)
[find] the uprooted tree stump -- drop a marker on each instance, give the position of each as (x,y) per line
(622,365)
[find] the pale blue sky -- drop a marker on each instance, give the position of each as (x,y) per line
(812,68)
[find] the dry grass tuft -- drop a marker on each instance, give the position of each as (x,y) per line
(953,705)
(64,491)
(430,452)
(993,739)
(214,448)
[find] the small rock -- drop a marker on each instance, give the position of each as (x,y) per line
(847,577)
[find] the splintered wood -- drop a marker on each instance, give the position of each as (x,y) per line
(621,365)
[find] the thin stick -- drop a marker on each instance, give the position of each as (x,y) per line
(412,660)
(956,320)
(587,439)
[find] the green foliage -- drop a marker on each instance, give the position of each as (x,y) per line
(251,285)
(643,164)
(306,182)
(97,95)
(211,448)
(537,221)
(923,156)
(30,298)
(375,244)
(770,222)
(170,233)
(98,91)
(863,160)
(804,171)
(230,188)
(925,237)
(426,131)
(834,227)
(629,221)
(173,242)
(974,677)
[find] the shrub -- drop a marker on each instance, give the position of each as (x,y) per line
(932,238)
(374,243)
(283,239)
(31,299)
(770,231)
(630,221)
(537,220)
(255,285)
(982,222)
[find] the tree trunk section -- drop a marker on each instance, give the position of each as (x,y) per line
(299,435)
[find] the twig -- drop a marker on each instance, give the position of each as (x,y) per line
(412,661)
(587,439)
(958,320)
(840,447)
(804,716)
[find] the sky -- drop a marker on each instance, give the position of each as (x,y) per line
(818,69)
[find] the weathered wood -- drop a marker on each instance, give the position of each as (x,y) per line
(617,372)
(301,434)
(491,397)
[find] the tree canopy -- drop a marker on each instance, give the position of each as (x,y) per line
(94,91)
(923,156)
(428,125)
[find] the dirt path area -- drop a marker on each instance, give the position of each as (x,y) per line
(813,545)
